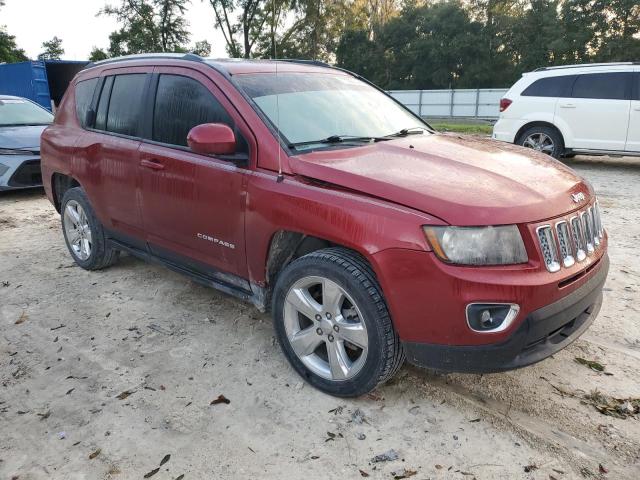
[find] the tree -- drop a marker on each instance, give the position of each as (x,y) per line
(97,54)
(202,48)
(248,24)
(148,26)
(52,49)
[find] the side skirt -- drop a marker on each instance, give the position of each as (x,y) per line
(256,296)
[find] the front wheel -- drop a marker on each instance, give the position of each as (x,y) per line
(333,323)
(542,139)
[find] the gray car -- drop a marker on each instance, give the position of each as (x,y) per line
(21,123)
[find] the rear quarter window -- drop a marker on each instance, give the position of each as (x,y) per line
(84,96)
(604,86)
(550,87)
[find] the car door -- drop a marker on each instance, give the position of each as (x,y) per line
(193,204)
(597,114)
(633,136)
(107,154)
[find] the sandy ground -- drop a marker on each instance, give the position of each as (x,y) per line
(71,342)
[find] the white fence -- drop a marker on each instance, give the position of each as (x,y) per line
(461,103)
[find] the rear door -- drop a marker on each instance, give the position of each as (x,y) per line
(633,137)
(193,204)
(597,114)
(110,151)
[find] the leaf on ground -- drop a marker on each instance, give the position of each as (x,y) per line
(165,459)
(69,391)
(330,436)
(93,455)
(613,407)
(220,399)
(363,473)
(387,456)
(592,364)
(45,415)
(602,468)
(530,468)
(180,477)
(125,394)
(23,317)
(152,473)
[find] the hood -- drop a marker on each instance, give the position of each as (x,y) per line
(21,137)
(463,181)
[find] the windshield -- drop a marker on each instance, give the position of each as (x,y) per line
(322,106)
(16,112)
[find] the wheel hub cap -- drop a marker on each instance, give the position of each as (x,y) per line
(77,230)
(325,329)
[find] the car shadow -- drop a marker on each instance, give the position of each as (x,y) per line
(604,162)
(22,194)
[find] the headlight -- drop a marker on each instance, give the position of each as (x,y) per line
(501,245)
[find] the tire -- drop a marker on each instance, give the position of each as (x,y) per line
(359,314)
(551,141)
(79,222)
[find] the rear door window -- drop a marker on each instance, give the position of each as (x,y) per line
(125,104)
(182,103)
(550,87)
(84,95)
(604,86)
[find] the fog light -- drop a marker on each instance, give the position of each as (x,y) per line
(491,317)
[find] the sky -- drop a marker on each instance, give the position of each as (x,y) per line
(74,21)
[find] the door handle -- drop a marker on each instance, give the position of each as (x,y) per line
(567,105)
(152,164)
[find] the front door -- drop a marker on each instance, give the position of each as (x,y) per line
(193,205)
(597,114)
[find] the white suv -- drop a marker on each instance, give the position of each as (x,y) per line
(578,109)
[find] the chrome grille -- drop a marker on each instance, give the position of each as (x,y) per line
(548,247)
(564,241)
(579,244)
(568,241)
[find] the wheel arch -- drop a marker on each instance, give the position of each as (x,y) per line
(287,245)
(60,183)
(539,123)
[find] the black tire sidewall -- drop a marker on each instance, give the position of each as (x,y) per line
(369,375)
(98,247)
(558,142)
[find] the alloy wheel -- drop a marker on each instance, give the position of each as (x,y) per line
(540,142)
(78,230)
(325,328)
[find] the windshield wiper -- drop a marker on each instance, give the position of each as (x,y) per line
(338,139)
(408,131)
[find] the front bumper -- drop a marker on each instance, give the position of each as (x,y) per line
(543,332)
(20,171)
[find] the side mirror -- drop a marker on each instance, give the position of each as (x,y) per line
(212,138)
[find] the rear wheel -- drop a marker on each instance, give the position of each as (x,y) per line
(543,139)
(333,324)
(83,232)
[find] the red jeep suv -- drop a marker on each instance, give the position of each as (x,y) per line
(309,192)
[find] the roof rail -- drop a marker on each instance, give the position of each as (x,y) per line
(147,56)
(317,63)
(585,65)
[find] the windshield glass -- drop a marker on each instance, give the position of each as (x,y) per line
(15,112)
(320,105)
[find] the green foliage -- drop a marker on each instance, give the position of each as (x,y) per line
(97,54)
(148,26)
(52,49)
(488,43)
(202,48)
